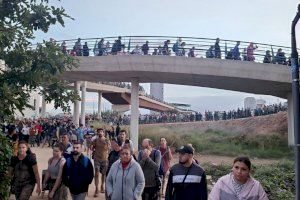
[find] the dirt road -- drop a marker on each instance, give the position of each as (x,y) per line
(43,155)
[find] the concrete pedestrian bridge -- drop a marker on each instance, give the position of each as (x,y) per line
(99,63)
(235,75)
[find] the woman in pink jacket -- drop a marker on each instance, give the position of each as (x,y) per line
(238,185)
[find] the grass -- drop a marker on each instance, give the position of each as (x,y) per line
(217,142)
(222,143)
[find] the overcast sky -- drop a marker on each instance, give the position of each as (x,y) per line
(261,21)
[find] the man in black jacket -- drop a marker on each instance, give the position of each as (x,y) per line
(114,154)
(78,173)
(187,180)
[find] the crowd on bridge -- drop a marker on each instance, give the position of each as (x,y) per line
(177,48)
(120,170)
(170,117)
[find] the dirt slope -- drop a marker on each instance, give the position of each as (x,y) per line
(270,124)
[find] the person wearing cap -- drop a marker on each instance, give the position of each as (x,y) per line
(187,180)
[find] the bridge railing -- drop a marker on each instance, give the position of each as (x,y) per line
(201,46)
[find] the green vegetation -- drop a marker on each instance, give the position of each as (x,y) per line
(31,67)
(221,143)
(5,154)
(278,180)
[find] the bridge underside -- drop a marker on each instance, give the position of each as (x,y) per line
(125,99)
(242,76)
(265,87)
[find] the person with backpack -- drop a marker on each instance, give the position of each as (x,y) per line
(24,172)
(78,173)
(149,159)
(53,176)
(145,48)
(176,46)
(166,157)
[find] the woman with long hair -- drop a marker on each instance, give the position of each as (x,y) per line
(53,176)
(238,184)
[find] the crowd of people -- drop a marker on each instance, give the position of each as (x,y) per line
(114,118)
(119,169)
(177,48)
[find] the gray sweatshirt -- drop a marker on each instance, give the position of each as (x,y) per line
(127,184)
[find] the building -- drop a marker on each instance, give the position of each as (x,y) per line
(250,103)
(157,91)
(260,103)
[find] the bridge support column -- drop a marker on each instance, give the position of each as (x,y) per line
(76,105)
(99,105)
(83,99)
(134,119)
(291,132)
(43,111)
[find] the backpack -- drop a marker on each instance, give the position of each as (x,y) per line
(175,47)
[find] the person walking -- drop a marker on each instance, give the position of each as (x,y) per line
(24,172)
(125,180)
(101,147)
(78,173)
(53,176)
(238,184)
(187,180)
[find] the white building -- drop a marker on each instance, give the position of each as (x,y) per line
(157,90)
(250,103)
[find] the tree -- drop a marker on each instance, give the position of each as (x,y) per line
(31,67)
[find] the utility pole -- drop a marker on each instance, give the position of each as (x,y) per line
(295,96)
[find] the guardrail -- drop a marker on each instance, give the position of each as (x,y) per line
(200,47)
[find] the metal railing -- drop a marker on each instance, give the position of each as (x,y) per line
(199,46)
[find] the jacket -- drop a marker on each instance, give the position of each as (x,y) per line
(78,175)
(224,190)
(127,184)
(150,167)
(193,187)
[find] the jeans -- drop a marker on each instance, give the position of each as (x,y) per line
(80,196)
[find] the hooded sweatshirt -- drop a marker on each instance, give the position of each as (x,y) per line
(224,190)
(125,184)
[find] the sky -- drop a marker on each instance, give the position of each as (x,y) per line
(261,21)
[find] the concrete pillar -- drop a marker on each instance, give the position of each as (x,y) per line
(43,111)
(291,132)
(83,99)
(134,119)
(99,105)
(76,105)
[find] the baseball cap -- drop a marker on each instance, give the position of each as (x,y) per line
(185,149)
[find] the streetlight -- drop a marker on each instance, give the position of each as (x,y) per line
(295,95)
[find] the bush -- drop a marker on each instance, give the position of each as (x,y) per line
(5,155)
(278,180)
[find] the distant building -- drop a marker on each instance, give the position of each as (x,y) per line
(260,103)
(34,101)
(250,103)
(157,91)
